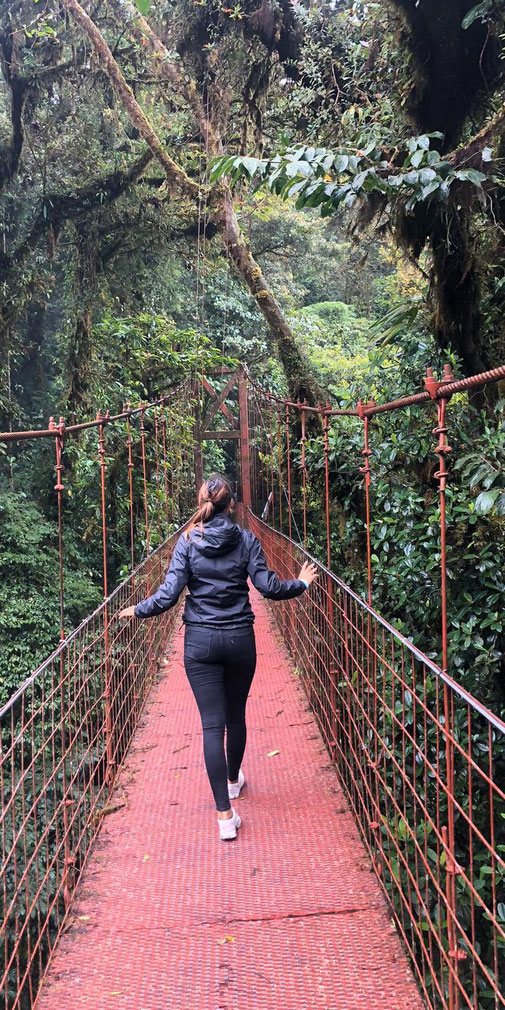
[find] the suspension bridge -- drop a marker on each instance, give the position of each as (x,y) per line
(370,868)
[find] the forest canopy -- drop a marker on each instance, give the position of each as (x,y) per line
(293,210)
(313,189)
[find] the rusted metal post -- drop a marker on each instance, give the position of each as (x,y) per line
(107,670)
(272,477)
(442,448)
(59,488)
(326,447)
(365,469)
(279,469)
(304,472)
(144,484)
(157,471)
(165,472)
(288,465)
(69,860)
(330,627)
(129,443)
(435,390)
(245,474)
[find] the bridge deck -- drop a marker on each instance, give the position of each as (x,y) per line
(287,916)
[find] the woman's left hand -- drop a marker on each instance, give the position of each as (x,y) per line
(127,612)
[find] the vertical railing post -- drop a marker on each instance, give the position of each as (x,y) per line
(150,635)
(272,464)
(371,652)
(245,474)
(366,452)
(109,746)
(129,443)
(288,466)
(326,448)
(144,484)
(157,471)
(442,448)
(173,460)
(165,464)
(304,473)
(279,468)
(67,801)
(129,656)
(330,627)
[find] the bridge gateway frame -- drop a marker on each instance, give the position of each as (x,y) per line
(238,429)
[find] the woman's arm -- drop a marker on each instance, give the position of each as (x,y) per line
(268,583)
(168,593)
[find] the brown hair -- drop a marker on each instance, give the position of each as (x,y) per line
(214,496)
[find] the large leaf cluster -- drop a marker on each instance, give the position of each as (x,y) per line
(334,179)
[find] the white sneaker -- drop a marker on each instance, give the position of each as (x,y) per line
(235,787)
(228,826)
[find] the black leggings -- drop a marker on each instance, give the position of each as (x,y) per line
(220,665)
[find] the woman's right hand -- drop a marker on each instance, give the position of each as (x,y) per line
(308,572)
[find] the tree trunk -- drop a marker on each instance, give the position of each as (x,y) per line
(301,381)
(78,366)
(452,69)
(456,289)
(175,175)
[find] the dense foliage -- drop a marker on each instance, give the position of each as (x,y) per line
(113,269)
(315,189)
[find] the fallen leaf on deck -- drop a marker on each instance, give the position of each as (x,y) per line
(147,856)
(84,918)
(272,753)
(227,939)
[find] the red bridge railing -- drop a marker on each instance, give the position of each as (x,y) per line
(64,734)
(423,763)
(423,766)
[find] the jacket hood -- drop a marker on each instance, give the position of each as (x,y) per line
(220,536)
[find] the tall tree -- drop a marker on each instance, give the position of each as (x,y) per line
(301,381)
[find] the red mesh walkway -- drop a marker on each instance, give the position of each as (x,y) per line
(287,916)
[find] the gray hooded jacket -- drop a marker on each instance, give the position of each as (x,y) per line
(215,566)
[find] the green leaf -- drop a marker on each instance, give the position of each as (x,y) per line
(485,501)
(417,158)
(142,6)
(250,165)
(221,166)
(295,168)
(427,175)
(429,189)
(470,175)
(479,11)
(341,162)
(359,180)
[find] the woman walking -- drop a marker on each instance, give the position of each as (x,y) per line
(214,559)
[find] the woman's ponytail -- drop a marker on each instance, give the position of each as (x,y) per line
(206,511)
(214,496)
